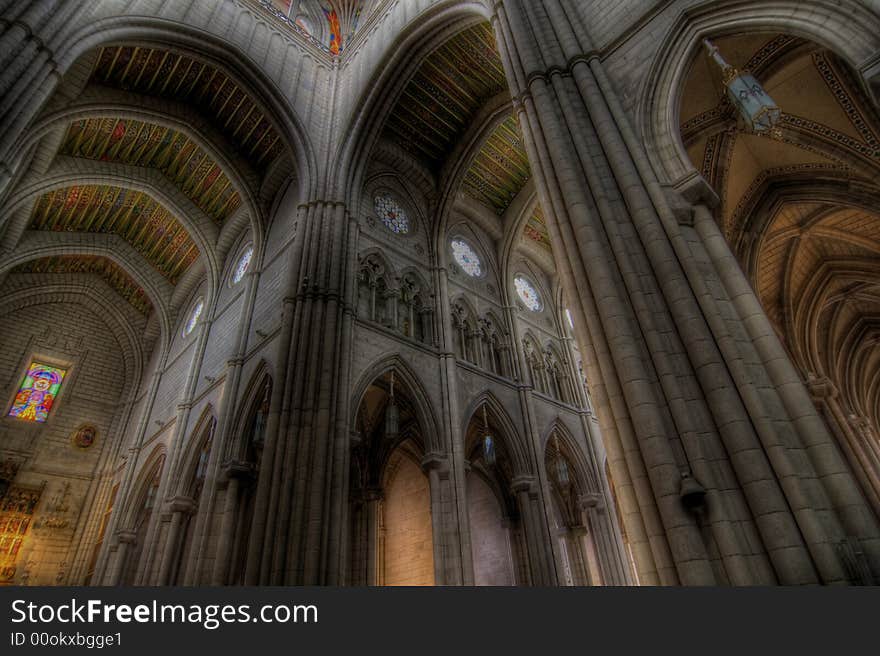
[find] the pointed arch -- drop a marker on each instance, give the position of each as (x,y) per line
(150,469)
(256,392)
(512,437)
(419,396)
(584,472)
(188,460)
(404,58)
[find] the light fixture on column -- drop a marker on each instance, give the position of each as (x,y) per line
(756,107)
(392,414)
(488,442)
(561,465)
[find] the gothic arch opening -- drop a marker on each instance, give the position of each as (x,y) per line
(392,540)
(797,207)
(499,540)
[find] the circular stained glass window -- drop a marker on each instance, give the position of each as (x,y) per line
(194,317)
(528,294)
(392,215)
(466,258)
(244,263)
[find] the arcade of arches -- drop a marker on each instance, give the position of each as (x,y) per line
(431,292)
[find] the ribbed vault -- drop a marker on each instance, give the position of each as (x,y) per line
(799,209)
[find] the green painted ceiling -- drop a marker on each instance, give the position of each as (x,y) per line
(153,146)
(148,226)
(439,103)
(109,271)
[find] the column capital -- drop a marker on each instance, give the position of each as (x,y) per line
(524,483)
(126,537)
(436,461)
(182,504)
(238,469)
(590,500)
(820,387)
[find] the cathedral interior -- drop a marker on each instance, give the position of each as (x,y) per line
(440,292)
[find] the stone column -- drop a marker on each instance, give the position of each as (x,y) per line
(28,68)
(537,548)
(234,472)
(861,456)
(169,483)
(437,468)
(227,407)
(825,486)
(114,531)
(115,559)
(259,555)
(299,518)
(458,559)
(180,508)
(668,404)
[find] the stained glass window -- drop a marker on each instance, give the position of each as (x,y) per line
(570,320)
(37,392)
(528,294)
(244,263)
(194,317)
(392,215)
(466,257)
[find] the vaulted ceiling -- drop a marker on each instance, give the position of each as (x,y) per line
(827,126)
(801,209)
(167,74)
(110,272)
(133,215)
(150,110)
(440,105)
(536,228)
(138,143)
(451,86)
(500,168)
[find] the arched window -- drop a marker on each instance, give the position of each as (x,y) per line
(392,214)
(466,257)
(528,294)
(243,264)
(194,317)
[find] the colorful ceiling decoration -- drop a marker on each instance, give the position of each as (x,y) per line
(107,269)
(136,217)
(167,74)
(328,23)
(142,144)
(439,103)
(335,30)
(500,169)
(536,228)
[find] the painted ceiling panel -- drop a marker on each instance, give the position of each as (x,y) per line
(154,146)
(451,86)
(107,269)
(500,169)
(170,75)
(536,228)
(148,226)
